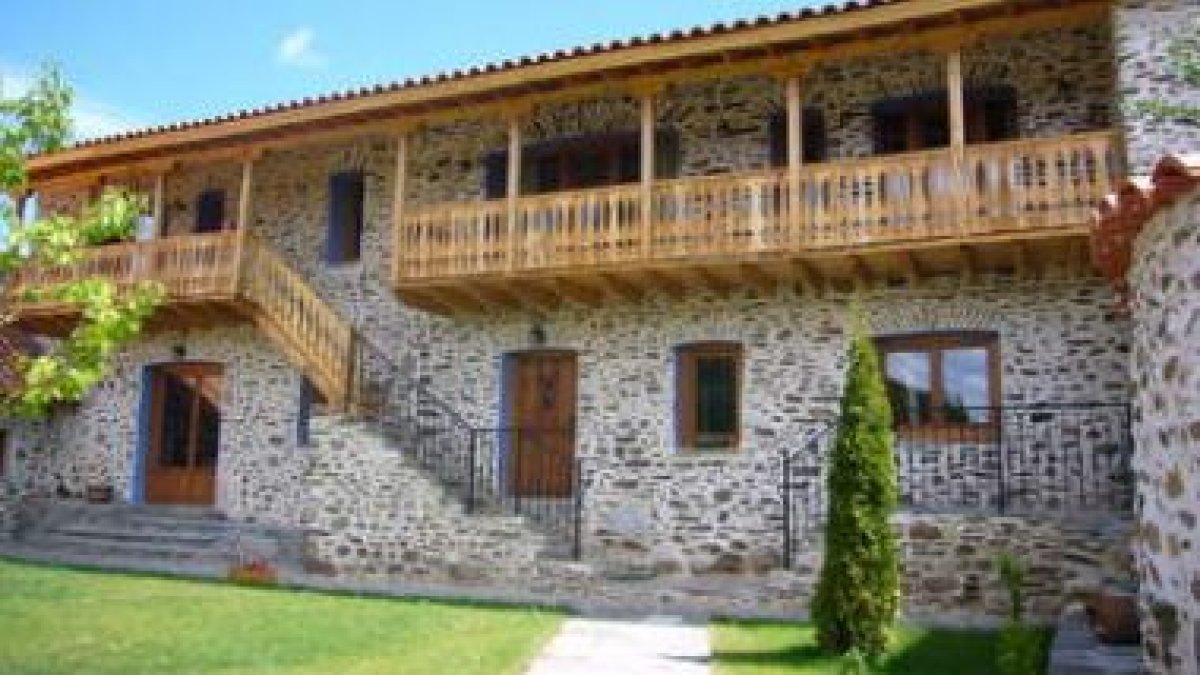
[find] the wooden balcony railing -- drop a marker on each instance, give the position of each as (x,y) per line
(989,189)
(242,271)
(191,267)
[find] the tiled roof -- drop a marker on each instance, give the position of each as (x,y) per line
(1123,214)
(506,65)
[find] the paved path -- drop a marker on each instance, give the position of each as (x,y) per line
(657,645)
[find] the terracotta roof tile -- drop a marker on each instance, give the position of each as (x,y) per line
(1122,215)
(507,64)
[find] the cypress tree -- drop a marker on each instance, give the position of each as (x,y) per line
(858,591)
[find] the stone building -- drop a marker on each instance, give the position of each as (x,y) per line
(574,327)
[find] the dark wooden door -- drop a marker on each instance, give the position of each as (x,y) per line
(185,431)
(542,388)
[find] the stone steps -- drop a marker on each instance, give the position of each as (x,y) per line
(111,536)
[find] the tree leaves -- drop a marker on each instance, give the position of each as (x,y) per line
(110,315)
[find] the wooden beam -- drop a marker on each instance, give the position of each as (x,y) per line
(668,284)
(646,195)
(398,190)
(969,263)
(513,188)
(795,146)
(616,287)
(158,205)
(757,276)
(810,276)
(863,276)
(1023,263)
(245,198)
(913,273)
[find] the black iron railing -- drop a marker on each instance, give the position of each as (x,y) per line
(532,473)
(1055,461)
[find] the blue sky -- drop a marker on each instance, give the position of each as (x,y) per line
(141,62)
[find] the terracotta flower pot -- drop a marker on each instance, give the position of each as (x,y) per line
(98,494)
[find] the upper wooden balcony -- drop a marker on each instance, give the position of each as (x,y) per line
(996,206)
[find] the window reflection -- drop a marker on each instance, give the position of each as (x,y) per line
(965,385)
(910,386)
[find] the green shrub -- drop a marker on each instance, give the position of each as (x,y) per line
(858,591)
(1012,575)
(1021,649)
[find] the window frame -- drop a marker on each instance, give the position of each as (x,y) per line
(620,152)
(348,235)
(687,393)
(935,344)
(990,116)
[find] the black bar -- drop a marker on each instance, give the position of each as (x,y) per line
(577,550)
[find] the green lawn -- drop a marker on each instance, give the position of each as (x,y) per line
(55,620)
(761,648)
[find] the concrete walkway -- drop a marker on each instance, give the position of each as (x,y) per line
(657,645)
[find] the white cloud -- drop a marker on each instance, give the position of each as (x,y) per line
(296,49)
(92,117)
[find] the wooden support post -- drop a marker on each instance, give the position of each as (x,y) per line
(513,192)
(795,150)
(245,212)
(958,136)
(398,200)
(158,205)
(647,168)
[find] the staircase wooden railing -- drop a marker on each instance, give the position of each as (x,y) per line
(304,325)
(998,187)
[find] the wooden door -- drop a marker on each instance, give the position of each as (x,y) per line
(542,387)
(185,430)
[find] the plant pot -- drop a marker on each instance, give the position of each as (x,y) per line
(98,494)
(1114,615)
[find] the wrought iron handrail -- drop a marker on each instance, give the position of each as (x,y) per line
(1047,460)
(475,462)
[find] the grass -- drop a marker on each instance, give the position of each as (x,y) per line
(765,648)
(55,620)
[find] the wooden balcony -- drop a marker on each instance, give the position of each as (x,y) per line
(1006,206)
(209,279)
(197,272)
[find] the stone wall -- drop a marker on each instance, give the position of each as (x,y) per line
(259,467)
(1144,32)
(375,513)
(1165,280)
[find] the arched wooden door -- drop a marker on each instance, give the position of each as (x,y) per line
(542,390)
(185,433)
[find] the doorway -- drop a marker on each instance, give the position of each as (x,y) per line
(185,433)
(541,391)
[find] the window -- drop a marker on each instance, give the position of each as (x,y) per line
(580,162)
(923,121)
(941,379)
(814,146)
(343,239)
(210,211)
(708,393)
(310,399)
